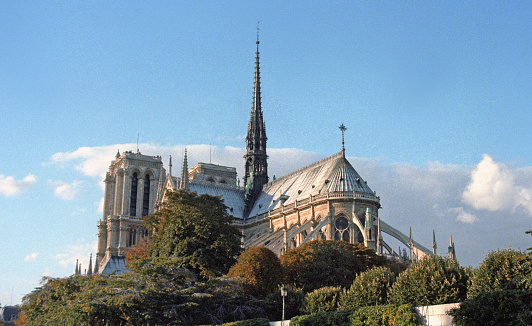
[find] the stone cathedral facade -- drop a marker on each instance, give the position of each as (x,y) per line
(325,200)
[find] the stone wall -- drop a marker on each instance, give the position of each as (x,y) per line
(436,315)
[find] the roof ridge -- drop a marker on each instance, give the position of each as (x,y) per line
(334,156)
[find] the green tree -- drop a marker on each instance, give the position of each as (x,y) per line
(323,263)
(500,270)
(198,231)
(323,299)
(260,269)
(433,280)
(156,292)
(370,288)
(495,308)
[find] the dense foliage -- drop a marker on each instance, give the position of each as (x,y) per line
(293,302)
(387,315)
(433,280)
(260,270)
(500,270)
(323,299)
(495,308)
(198,231)
(322,263)
(370,288)
(157,292)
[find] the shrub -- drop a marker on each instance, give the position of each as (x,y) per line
(498,271)
(385,315)
(317,264)
(293,302)
(250,322)
(330,318)
(324,299)
(509,308)
(370,288)
(260,269)
(433,280)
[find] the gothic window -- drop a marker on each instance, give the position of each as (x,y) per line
(133,201)
(342,229)
(146,198)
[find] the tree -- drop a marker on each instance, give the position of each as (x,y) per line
(433,280)
(370,288)
(156,292)
(500,270)
(197,230)
(323,263)
(323,299)
(260,269)
(138,251)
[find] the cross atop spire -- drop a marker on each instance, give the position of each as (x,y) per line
(258,32)
(343,129)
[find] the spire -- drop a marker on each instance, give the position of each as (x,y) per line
(89,269)
(76,272)
(170,167)
(118,153)
(256,166)
(184,173)
(343,129)
(452,252)
(434,245)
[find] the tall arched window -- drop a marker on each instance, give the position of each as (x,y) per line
(342,229)
(146,198)
(133,201)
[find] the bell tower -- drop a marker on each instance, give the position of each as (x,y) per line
(256,166)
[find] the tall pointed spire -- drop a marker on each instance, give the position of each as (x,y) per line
(256,166)
(451,250)
(170,166)
(434,245)
(184,173)
(89,269)
(76,272)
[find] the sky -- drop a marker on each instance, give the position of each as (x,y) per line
(436,97)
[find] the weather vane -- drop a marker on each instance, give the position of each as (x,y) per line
(342,128)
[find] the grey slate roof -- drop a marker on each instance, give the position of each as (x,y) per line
(332,174)
(233,198)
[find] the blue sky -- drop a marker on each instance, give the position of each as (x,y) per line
(436,97)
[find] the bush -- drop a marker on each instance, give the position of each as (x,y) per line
(387,315)
(293,302)
(324,299)
(402,315)
(250,322)
(321,263)
(331,318)
(260,269)
(433,280)
(498,271)
(509,308)
(370,288)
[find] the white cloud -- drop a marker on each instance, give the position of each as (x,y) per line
(64,190)
(31,257)
(11,187)
(494,187)
(79,252)
(462,215)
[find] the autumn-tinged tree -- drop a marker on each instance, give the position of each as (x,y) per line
(196,230)
(138,251)
(322,263)
(260,270)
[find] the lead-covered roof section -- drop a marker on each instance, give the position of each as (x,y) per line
(332,174)
(233,198)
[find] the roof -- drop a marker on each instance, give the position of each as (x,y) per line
(332,174)
(233,198)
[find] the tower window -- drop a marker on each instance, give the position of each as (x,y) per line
(133,200)
(146,197)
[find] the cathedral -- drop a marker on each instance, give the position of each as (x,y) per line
(325,200)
